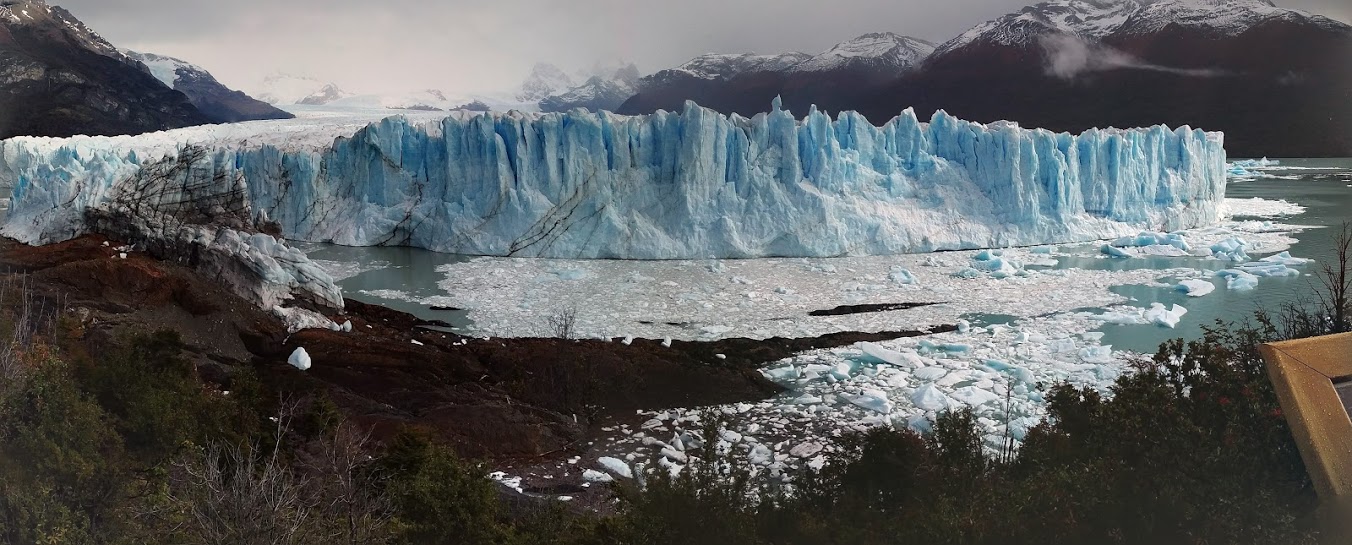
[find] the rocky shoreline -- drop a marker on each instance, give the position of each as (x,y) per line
(503,400)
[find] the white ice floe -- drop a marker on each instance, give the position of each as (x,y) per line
(615,466)
(1195,287)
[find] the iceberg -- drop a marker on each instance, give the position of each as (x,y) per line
(693,184)
(1195,287)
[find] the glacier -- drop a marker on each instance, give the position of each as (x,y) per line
(670,185)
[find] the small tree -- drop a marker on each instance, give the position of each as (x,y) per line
(1335,297)
(563,323)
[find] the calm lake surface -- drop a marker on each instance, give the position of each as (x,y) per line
(407,279)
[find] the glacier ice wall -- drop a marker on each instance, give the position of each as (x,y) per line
(690,184)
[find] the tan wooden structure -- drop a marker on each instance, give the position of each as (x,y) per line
(1304,373)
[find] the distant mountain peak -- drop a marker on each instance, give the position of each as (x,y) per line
(544,80)
(284,89)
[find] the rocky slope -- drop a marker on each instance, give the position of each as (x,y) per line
(492,398)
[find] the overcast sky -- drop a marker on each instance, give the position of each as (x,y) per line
(463,46)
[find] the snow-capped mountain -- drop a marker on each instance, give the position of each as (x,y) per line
(58,77)
(596,93)
(1104,20)
(1275,80)
(544,80)
(220,103)
(283,89)
(879,51)
(326,94)
(1092,19)
(719,66)
(1217,17)
(745,82)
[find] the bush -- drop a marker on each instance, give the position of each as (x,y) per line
(439,498)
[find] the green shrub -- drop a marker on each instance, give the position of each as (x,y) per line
(437,497)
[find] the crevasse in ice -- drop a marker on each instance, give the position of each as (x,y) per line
(672,185)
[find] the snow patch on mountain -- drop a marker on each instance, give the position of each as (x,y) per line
(163,68)
(878,51)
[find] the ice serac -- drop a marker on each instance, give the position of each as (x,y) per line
(672,185)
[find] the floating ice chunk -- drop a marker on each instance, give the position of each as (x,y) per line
(347,326)
(1238,280)
(300,359)
(903,277)
(675,455)
(1195,287)
(964,326)
(883,355)
(1147,239)
(873,400)
(997,365)
(974,396)
(1113,251)
(1159,315)
(628,340)
(1163,251)
(760,455)
(594,476)
(843,370)
(996,267)
(1122,318)
(930,373)
(929,398)
(1231,249)
(1269,269)
(1285,259)
(616,466)
(805,450)
(666,342)
(1097,354)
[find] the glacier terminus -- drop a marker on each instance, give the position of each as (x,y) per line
(671,185)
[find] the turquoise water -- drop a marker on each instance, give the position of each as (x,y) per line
(1328,201)
(1326,194)
(410,271)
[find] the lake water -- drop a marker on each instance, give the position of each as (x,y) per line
(408,279)
(1327,198)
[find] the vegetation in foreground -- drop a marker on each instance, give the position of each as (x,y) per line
(130,445)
